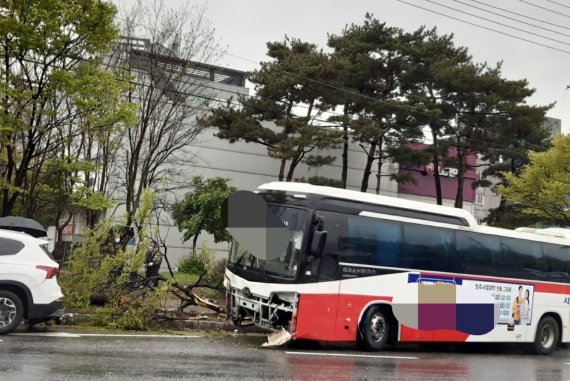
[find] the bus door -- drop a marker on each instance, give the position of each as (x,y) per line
(318,306)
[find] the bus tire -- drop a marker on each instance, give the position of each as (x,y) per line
(375,327)
(547,336)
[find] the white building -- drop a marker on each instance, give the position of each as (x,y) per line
(247,165)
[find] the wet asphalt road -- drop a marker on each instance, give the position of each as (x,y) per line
(71,356)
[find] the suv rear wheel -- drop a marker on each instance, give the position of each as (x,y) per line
(11,311)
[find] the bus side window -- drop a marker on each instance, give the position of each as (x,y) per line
(427,248)
(371,241)
(477,254)
(557,260)
(359,245)
(389,236)
(522,259)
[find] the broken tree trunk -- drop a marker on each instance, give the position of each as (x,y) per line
(190,298)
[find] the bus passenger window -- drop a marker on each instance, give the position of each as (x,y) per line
(557,260)
(371,241)
(522,258)
(477,254)
(427,248)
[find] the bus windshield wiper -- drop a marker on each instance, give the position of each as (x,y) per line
(262,268)
(240,258)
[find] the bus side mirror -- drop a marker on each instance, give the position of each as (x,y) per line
(319,222)
(318,242)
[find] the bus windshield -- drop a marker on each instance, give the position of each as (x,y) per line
(286,265)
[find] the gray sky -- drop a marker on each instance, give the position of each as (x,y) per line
(244,26)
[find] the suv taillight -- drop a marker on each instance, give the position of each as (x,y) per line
(50,271)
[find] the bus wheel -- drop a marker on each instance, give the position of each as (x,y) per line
(374,329)
(547,336)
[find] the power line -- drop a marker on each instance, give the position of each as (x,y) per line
(221,101)
(498,23)
(261,106)
(331,86)
(510,18)
(520,14)
(487,28)
(545,9)
(409,109)
(557,3)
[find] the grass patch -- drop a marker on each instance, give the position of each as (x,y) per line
(182,278)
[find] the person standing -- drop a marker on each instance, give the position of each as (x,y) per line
(152,263)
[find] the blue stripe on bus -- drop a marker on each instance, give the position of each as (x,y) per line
(413,278)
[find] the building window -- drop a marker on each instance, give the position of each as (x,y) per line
(480,199)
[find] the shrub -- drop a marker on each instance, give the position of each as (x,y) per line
(201,263)
(100,274)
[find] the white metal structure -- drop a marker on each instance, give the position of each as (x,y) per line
(28,281)
(377,270)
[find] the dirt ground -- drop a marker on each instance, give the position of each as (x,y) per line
(173,303)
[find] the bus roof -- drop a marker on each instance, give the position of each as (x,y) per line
(526,233)
(369,198)
(552,235)
(552,232)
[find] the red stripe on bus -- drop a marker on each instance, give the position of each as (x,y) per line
(441,335)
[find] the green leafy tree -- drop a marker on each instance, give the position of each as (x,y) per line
(543,186)
(72,175)
(292,80)
(45,42)
(509,215)
(62,192)
(97,277)
(200,210)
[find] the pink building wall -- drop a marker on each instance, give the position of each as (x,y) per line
(425,180)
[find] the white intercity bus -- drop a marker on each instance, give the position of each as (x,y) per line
(377,270)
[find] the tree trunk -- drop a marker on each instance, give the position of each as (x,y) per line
(367,168)
(345,148)
(460,178)
(194,242)
(436,178)
(291,171)
(379,176)
(282,169)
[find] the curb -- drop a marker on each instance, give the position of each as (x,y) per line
(203,325)
(206,325)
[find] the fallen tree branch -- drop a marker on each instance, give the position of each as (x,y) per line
(189,297)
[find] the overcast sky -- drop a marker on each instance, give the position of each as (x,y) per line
(244,26)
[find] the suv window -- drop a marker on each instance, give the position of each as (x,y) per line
(10,246)
(46,250)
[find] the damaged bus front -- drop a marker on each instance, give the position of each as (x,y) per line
(266,292)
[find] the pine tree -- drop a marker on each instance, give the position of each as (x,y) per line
(375,69)
(292,81)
